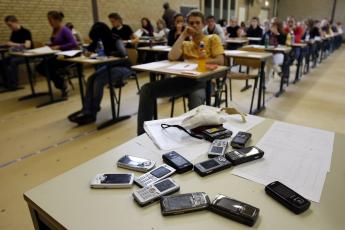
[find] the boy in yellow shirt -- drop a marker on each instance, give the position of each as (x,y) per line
(178,86)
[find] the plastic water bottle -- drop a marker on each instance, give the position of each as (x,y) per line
(288,39)
(292,38)
(100,50)
(202,58)
(307,37)
(267,40)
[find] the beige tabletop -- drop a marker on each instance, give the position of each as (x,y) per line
(302,45)
(247,54)
(68,201)
(236,40)
(254,39)
(164,49)
(87,60)
(141,41)
(163,67)
(278,49)
(32,54)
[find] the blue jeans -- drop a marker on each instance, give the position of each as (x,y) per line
(95,87)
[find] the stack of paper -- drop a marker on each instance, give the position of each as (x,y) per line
(297,156)
(69,53)
(183,67)
(41,50)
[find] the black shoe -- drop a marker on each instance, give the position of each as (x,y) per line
(72,116)
(85,119)
(64,93)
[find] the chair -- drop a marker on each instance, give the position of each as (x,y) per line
(249,63)
(133,58)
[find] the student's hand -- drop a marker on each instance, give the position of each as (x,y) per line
(274,31)
(189,31)
(55,47)
(12,44)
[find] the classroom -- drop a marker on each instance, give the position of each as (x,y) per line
(161,114)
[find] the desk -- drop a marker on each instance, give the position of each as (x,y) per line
(158,52)
(143,42)
(108,61)
(285,50)
(220,72)
(235,43)
(157,49)
(262,57)
(67,202)
(254,40)
(44,56)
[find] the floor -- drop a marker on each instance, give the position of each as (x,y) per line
(39,144)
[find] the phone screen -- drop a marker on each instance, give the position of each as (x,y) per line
(216,149)
(116,178)
(180,202)
(178,160)
(164,185)
(209,164)
(159,172)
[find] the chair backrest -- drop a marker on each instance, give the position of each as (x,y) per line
(256,64)
(132,55)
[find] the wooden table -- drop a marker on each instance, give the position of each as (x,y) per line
(156,49)
(262,57)
(285,50)
(235,43)
(67,202)
(218,73)
(44,56)
(108,62)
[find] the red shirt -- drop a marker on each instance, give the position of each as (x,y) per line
(298,31)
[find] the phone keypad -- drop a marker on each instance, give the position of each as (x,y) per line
(148,193)
(235,155)
(146,179)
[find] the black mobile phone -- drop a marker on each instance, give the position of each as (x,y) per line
(240,156)
(212,132)
(184,203)
(211,166)
(177,161)
(287,197)
(235,210)
(240,140)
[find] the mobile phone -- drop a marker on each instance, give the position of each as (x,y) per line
(135,163)
(153,192)
(240,140)
(184,203)
(287,197)
(154,175)
(111,180)
(218,148)
(211,166)
(235,210)
(240,156)
(177,161)
(220,132)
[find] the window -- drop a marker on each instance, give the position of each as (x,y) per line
(220,9)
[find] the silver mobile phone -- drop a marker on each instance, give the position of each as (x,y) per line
(112,180)
(153,192)
(184,203)
(135,163)
(154,175)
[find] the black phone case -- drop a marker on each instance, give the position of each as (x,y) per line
(244,159)
(287,202)
(199,169)
(179,168)
(238,142)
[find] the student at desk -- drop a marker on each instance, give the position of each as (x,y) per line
(146,27)
(213,28)
(161,32)
(233,30)
(113,46)
(177,86)
(123,31)
(61,39)
(254,30)
(20,38)
(177,30)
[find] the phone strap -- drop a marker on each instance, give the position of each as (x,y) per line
(165,126)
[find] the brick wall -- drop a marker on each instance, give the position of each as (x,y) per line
(32,15)
(133,10)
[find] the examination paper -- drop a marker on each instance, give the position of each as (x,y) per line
(183,66)
(44,49)
(155,65)
(69,53)
(297,156)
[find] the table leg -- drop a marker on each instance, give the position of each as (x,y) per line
(115,119)
(283,77)
(32,87)
(81,83)
(261,89)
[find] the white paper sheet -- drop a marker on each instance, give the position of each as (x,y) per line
(161,47)
(44,49)
(233,52)
(298,156)
(69,53)
(184,66)
(155,65)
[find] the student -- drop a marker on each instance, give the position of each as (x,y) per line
(146,27)
(161,32)
(233,30)
(254,29)
(213,28)
(187,50)
(20,38)
(177,30)
(291,27)
(123,31)
(243,29)
(76,34)
(113,46)
(168,16)
(61,39)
